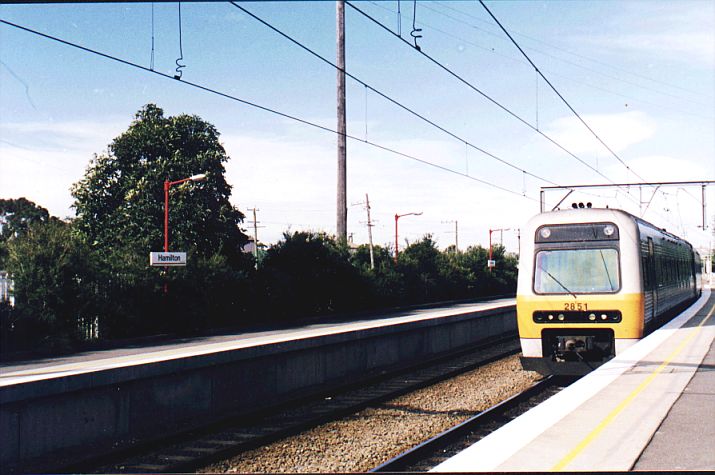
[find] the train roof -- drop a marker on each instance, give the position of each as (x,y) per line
(582,215)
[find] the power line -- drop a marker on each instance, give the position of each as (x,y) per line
(263,108)
(402,106)
(390,99)
(630,99)
(558,93)
(565,60)
(471,86)
(385,96)
(603,63)
(477,90)
(539,72)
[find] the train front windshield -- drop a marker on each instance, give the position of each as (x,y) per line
(565,271)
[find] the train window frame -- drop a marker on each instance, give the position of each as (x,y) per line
(562,228)
(542,248)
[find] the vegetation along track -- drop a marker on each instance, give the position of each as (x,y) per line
(436,450)
(193,450)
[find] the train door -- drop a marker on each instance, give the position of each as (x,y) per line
(649,285)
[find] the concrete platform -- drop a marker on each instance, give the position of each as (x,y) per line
(55,413)
(643,410)
(686,438)
(87,362)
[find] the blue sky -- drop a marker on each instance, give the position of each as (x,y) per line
(642,74)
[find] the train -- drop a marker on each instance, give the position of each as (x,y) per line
(594,281)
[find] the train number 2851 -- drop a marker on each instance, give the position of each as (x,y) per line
(576,306)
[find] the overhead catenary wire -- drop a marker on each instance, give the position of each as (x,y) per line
(385,96)
(581,56)
(471,86)
(495,102)
(179,66)
(151,60)
(563,99)
(483,94)
(630,99)
(479,91)
(415,33)
(260,107)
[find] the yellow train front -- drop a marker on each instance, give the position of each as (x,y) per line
(592,282)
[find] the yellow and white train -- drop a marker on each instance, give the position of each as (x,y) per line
(592,282)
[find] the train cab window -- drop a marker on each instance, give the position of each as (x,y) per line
(563,271)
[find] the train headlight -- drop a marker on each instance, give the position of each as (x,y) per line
(604,316)
(545,233)
(608,230)
(550,317)
(561,317)
(592,317)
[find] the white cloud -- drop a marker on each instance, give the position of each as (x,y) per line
(676,31)
(41,160)
(70,135)
(694,47)
(293,183)
(44,178)
(618,131)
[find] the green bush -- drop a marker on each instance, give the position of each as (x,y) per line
(310,274)
(54,278)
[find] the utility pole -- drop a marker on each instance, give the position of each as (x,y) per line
(518,240)
(456,233)
(342,206)
(255,234)
(369,231)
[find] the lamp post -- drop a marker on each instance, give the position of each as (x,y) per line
(168,184)
(398,216)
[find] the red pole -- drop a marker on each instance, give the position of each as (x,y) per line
(396,242)
(166,216)
(166,227)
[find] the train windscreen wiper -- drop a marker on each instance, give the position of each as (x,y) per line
(557,281)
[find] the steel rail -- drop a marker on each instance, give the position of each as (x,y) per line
(193,450)
(424,450)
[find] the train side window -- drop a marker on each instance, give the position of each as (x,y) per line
(649,266)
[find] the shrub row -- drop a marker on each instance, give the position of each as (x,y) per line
(67,295)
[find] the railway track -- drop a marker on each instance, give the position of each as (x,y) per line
(432,452)
(193,450)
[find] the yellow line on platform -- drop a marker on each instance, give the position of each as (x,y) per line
(618,409)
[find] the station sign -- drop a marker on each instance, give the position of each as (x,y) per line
(162,259)
(491,263)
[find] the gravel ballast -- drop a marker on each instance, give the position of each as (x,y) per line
(362,441)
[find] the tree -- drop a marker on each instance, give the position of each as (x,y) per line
(310,273)
(120,200)
(386,285)
(421,264)
(120,215)
(16,215)
(54,286)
